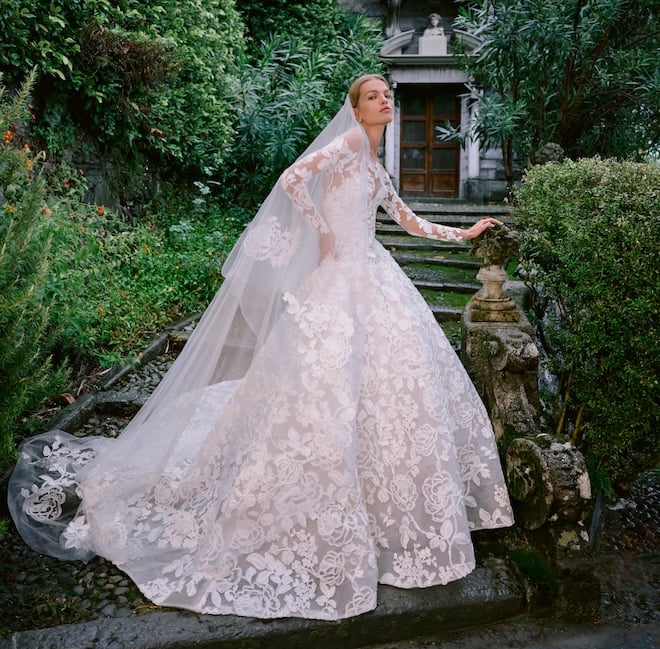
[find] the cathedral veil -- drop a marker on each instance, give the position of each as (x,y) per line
(274,255)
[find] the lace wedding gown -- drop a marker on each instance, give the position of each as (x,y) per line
(353,450)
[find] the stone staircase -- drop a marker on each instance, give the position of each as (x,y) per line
(444,272)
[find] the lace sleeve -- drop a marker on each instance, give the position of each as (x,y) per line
(296,178)
(412,223)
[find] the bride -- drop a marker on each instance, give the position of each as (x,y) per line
(316,436)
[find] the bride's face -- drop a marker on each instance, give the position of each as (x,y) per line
(375,104)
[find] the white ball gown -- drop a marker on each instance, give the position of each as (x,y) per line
(317,435)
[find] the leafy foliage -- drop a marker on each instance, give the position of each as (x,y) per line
(155,79)
(581,74)
(288,94)
(590,239)
(80,284)
(316,21)
(115,284)
(26,370)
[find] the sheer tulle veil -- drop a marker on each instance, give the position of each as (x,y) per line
(274,255)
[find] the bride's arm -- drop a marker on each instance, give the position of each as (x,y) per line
(419,227)
(295,179)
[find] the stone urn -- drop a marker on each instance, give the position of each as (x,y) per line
(491,303)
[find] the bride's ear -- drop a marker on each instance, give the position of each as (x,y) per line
(357,115)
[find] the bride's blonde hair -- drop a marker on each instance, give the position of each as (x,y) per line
(354,90)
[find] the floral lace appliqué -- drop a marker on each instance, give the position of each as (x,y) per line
(268,241)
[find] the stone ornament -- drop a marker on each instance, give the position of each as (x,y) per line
(547,480)
(433,42)
(491,303)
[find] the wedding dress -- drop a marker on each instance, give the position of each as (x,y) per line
(317,435)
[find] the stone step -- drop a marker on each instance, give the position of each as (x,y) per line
(493,592)
(453,214)
(403,241)
(444,314)
(453,220)
(406,258)
(453,287)
(472,210)
(440,274)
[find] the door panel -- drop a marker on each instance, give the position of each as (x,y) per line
(429,166)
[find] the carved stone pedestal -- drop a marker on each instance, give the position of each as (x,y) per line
(433,45)
(497,344)
(502,361)
(491,303)
(548,482)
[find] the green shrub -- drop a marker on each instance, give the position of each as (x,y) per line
(590,238)
(27,374)
(115,284)
(80,284)
(289,91)
(150,79)
(317,21)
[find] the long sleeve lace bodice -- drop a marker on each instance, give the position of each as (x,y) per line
(339,162)
(338,159)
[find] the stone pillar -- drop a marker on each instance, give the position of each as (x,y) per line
(502,361)
(392,28)
(498,347)
(433,45)
(547,480)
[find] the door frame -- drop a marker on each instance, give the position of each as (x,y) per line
(429,181)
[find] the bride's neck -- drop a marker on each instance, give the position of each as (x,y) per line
(375,135)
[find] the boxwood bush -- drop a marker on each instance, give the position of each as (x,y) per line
(590,237)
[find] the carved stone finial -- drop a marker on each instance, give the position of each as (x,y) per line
(549,152)
(496,245)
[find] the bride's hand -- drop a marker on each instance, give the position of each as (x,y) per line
(327,244)
(480,226)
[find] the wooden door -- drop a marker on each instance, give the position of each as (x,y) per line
(429,166)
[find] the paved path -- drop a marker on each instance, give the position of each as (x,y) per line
(526,633)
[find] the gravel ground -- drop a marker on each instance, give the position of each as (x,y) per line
(38,591)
